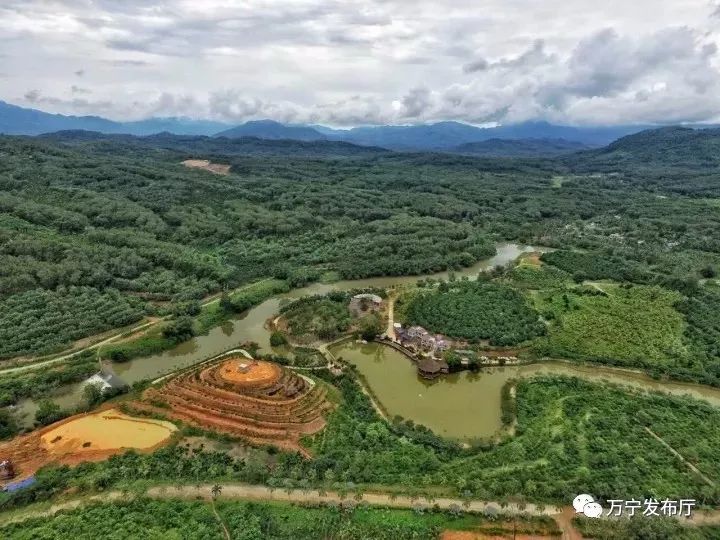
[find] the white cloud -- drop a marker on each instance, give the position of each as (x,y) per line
(365,62)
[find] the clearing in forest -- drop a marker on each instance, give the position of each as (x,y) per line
(207,165)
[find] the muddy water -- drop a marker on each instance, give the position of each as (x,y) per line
(451,406)
(250,326)
(466,405)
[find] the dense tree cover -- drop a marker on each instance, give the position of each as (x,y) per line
(476,310)
(639,528)
(571,437)
(175,519)
(125,215)
(168,335)
(41,321)
(621,325)
(318,317)
(702,313)
(37,383)
(584,266)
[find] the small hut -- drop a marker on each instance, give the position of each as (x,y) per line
(430,368)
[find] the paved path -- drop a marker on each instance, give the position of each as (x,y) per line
(390,332)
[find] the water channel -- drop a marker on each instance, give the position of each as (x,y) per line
(463,406)
(466,405)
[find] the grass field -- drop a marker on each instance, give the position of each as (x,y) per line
(636,326)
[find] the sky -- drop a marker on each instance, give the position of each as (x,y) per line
(346,63)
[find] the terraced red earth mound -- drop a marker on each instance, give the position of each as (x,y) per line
(256,400)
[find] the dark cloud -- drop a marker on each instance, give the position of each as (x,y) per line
(479,64)
(32,96)
(416,103)
(79,90)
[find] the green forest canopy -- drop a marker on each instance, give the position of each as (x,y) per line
(476,310)
(121,214)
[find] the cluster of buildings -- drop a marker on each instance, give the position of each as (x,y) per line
(427,347)
(417,339)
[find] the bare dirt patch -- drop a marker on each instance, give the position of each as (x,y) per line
(215,168)
(87,437)
(247,371)
(531,259)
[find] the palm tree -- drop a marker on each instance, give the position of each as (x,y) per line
(216,491)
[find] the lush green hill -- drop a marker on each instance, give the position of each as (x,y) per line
(268,129)
(520,148)
(120,213)
(199,146)
(670,147)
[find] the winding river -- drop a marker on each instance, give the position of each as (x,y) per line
(462,406)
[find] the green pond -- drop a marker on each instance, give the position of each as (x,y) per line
(466,405)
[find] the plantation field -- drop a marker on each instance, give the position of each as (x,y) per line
(175,519)
(627,326)
(477,310)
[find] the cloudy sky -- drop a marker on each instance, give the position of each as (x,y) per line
(345,63)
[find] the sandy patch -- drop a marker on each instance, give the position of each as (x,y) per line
(86,437)
(206,165)
(106,430)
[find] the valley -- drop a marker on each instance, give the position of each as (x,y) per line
(576,324)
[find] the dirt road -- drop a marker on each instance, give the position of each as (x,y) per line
(264,493)
(43,363)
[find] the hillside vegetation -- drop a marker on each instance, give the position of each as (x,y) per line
(119,217)
(636,326)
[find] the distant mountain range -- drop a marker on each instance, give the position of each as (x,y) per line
(441,136)
(527,139)
(16,120)
(669,149)
(269,129)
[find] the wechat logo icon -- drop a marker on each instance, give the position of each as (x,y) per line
(585,504)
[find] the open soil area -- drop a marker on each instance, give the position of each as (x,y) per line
(206,165)
(87,437)
(258,401)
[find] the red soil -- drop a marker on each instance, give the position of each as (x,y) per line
(30,452)
(258,401)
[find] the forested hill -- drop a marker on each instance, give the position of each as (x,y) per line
(195,145)
(97,230)
(267,129)
(520,148)
(671,147)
